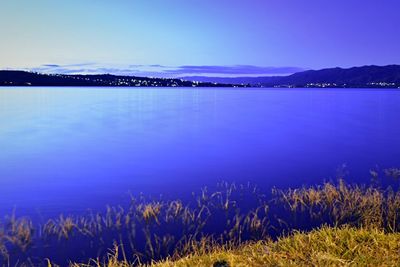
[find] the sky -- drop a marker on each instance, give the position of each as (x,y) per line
(197,37)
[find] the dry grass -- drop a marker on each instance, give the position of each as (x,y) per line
(153,230)
(345,246)
(344,204)
(324,247)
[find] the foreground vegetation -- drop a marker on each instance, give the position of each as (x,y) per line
(327,246)
(324,247)
(235,223)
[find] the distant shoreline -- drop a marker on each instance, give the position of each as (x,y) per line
(375,77)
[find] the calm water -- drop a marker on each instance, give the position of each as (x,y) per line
(69,149)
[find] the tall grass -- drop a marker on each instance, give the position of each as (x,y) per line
(148,230)
(342,204)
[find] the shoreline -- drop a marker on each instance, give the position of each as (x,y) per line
(158,230)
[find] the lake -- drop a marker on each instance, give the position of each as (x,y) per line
(72,149)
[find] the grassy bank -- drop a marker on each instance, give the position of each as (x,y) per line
(327,246)
(324,247)
(231,220)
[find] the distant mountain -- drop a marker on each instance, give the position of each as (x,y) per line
(24,78)
(365,77)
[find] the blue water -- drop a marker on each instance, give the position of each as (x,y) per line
(71,149)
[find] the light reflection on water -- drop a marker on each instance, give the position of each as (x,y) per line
(66,149)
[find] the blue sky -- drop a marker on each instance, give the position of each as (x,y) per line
(173,36)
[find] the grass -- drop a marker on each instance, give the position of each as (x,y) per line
(149,229)
(234,219)
(327,246)
(324,247)
(343,204)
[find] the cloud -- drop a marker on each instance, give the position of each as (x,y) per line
(156,70)
(51,65)
(235,70)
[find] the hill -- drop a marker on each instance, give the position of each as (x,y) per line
(24,78)
(356,77)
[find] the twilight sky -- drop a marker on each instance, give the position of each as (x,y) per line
(197,37)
